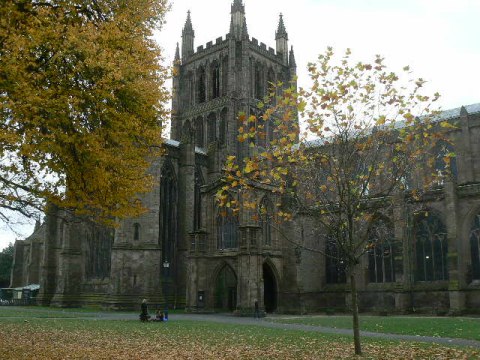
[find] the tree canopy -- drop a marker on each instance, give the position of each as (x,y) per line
(81,104)
(6,260)
(368,134)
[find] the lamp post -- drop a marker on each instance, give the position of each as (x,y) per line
(166,268)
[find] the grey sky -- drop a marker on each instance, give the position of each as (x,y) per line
(439,39)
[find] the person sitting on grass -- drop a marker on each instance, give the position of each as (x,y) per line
(159,316)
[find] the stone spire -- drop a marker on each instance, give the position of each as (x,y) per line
(177,54)
(291,59)
(281,31)
(188,35)
(238,21)
(282,40)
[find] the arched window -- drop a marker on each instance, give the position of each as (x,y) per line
(190,89)
(215,80)
(136,231)
(431,247)
(259,92)
(212,127)
(197,206)
(222,128)
(270,81)
(225,76)
(381,253)
(266,220)
(168,212)
(199,132)
(227,232)
(334,263)
(445,161)
(475,247)
(201,96)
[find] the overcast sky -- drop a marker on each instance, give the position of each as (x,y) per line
(439,39)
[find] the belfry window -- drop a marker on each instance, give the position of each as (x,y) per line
(431,247)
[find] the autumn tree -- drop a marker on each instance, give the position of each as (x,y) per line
(6,260)
(367,135)
(81,104)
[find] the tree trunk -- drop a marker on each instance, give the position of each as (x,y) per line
(356,325)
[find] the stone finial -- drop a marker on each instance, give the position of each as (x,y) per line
(281,31)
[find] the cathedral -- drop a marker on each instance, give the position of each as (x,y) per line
(185,252)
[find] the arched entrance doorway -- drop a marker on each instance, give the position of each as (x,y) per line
(226,290)
(269,288)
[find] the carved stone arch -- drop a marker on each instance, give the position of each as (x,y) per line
(431,246)
(225,282)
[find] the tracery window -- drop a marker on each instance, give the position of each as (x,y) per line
(266,220)
(475,247)
(227,229)
(334,263)
(381,253)
(222,128)
(215,80)
(212,127)
(431,247)
(168,211)
(201,96)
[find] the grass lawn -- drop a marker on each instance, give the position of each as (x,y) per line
(80,338)
(453,327)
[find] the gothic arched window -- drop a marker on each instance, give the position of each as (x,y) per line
(199,132)
(201,96)
(475,247)
(431,247)
(222,128)
(136,231)
(227,232)
(266,220)
(334,263)
(381,253)
(271,81)
(259,92)
(197,205)
(212,127)
(215,80)
(225,76)
(445,161)
(168,211)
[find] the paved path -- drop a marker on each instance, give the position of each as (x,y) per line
(230,319)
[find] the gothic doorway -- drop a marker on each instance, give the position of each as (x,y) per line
(269,288)
(226,290)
